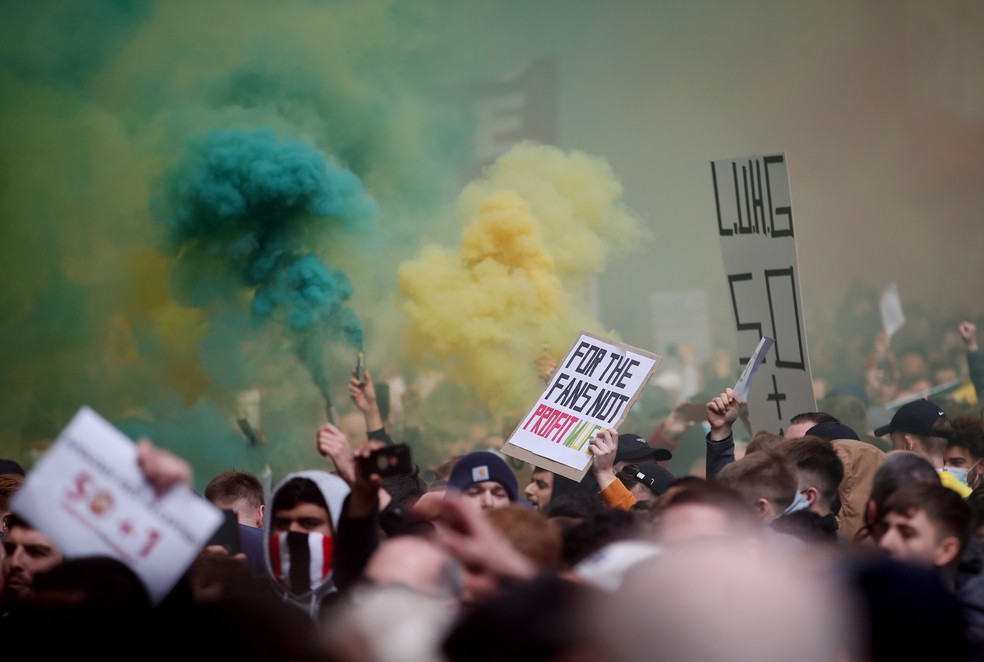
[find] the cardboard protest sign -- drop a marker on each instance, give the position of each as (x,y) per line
(89,497)
(593,388)
(758,247)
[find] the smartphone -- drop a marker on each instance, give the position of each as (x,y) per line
(387,461)
(360,367)
(228,533)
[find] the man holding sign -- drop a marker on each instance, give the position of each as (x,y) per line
(95,493)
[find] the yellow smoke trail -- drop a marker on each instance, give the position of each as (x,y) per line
(536,227)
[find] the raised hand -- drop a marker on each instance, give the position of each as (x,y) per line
(722,412)
(968,331)
(334,444)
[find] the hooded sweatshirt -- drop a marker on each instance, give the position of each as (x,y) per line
(334,490)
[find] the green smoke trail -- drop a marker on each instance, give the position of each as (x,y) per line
(240,210)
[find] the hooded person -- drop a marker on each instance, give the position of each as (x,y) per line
(299,534)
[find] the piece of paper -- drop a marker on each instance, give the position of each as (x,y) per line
(88,495)
(892,316)
(744,382)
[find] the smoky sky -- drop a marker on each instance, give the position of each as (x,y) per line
(349,145)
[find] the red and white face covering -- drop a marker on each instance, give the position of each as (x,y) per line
(301,561)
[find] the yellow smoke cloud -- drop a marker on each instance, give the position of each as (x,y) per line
(576,199)
(536,227)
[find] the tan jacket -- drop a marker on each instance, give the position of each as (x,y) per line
(861,460)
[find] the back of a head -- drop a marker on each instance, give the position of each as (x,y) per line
(763,440)
(574,505)
(814,417)
(680,520)
(599,530)
(763,475)
(900,468)
(661,609)
(816,463)
(407,488)
(530,532)
(232,486)
(808,526)
(936,443)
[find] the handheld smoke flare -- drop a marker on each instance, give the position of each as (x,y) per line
(248,216)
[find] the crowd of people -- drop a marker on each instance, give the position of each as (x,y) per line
(834,539)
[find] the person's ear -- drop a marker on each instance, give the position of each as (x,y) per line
(259,515)
(870,512)
(811,495)
(764,509)
(947,551)
(909,443)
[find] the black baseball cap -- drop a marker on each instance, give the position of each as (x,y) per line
(831,431)
(917,417)
(632,447)
(650,474)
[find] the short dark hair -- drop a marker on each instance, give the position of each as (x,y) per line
(899,469)
(233,485)
(407,488)
(817,462)
(967,431)
(943,507)
(815,417)
(764,474)
(298,490)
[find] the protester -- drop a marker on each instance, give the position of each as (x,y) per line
(484,480)
(923,428)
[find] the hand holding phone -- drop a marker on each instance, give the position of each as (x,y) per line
(387,461)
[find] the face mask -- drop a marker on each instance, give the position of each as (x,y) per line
(961,474)
(301,562)
(958,473)
(799,503)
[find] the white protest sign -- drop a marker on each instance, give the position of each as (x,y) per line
(88,496)
(744,383)
(890,305)
(758,246)
(593,388)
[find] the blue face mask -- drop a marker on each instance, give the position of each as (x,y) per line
(799,503)
(961,474)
